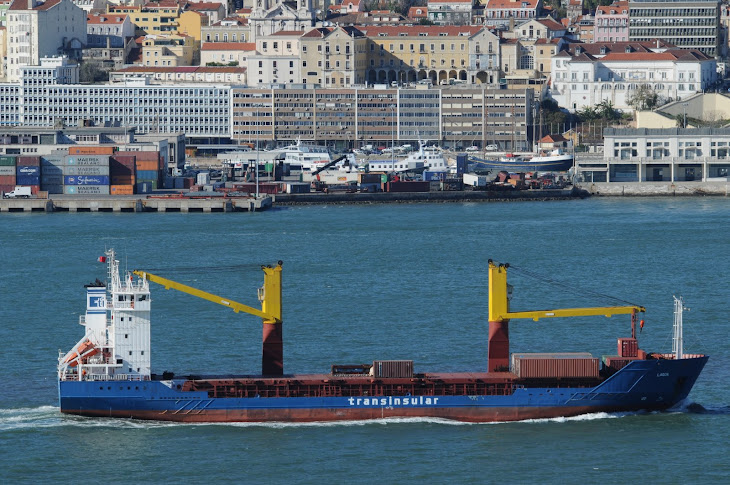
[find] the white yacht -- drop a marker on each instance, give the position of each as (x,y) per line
(426,158)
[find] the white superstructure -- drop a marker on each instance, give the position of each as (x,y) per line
(116,341)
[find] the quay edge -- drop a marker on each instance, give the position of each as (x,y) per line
(656,189)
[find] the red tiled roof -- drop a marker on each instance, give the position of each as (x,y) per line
(228,46)
(201,69)
(413,12)
(106,18)
(551,24)
(204,6)
(420,30)
(619,7)
(511,4)
(23,5)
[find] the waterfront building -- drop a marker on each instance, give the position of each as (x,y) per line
(36,30)
(347,117)
(588,74)
(688,24)
(612,23)
(660,155)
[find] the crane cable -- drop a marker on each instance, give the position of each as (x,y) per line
(583,291)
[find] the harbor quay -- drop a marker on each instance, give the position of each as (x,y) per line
(136,204)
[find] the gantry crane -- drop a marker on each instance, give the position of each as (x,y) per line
(272,358)
(499,316)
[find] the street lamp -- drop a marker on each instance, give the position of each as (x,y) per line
(684,109)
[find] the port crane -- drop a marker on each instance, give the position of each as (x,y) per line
(500,315)
(272,358)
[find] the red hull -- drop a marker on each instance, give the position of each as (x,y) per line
(475,415)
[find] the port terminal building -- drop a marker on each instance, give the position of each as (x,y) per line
(659,155)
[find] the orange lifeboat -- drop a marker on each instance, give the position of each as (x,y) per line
(85,349)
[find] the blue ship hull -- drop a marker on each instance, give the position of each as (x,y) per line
(641,385)
(558,164)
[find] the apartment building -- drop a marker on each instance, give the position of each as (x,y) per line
(333,56)
(230,29)
(503,12)
(612,23)
(108,30)
(450,12)
(36,30)
(688,24)
(168,50)
(152,18)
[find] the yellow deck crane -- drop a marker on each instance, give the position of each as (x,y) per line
(272,358)
(499,316)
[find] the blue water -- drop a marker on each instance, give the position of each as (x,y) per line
(363,283)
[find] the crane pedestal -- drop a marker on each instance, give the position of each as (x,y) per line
(272,357)
(498,347)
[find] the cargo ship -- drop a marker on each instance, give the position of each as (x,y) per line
(107,373)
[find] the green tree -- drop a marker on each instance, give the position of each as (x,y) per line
(92,72)
(643,98)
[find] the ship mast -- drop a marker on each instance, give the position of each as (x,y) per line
(677,339)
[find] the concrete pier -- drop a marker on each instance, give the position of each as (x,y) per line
(136,204)
(671,189)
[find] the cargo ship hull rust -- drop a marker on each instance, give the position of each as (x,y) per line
(105,376)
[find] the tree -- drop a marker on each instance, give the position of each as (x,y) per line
(644,97)
(92,72)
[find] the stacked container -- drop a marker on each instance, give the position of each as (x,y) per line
(148,170)
(86,175)
(52,172)
(122,174)
(7,173)
(28,173)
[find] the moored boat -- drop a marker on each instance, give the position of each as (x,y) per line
(555,161)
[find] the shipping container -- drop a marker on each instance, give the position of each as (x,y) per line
(7,180)
(86,180)
(53,160)
(462,164)
(121,189)
(562,365)
(178,183)
(28,179)
(434,176)
(145,156)
(409,186)
(91,150)
(615,363)
(188,182)
(203,178)
(393,368)
(151,166)
(34,189)
(122,180)
(86,170)
(452,185)
(116,168)
(7,160)
(7,170)
(369,178)
(53,188)
(51,179)
(264,188)
(628,347)
(143,187)
(93,160)
(86,189)
(147,175)
(29,161)
(474,180)
(26,170)
(7,188)
(298,188)
(52,169)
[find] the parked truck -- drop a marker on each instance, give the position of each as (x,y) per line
(18,192)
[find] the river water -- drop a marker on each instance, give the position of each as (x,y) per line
(384,281)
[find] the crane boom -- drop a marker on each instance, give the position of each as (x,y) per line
(499,316)
(233,305)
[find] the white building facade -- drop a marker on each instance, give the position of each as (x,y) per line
(37,30)
(581,79)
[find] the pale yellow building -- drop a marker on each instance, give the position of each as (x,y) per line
(407,54)
(152,18)
(333,57)
(191,23)
(168,50)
